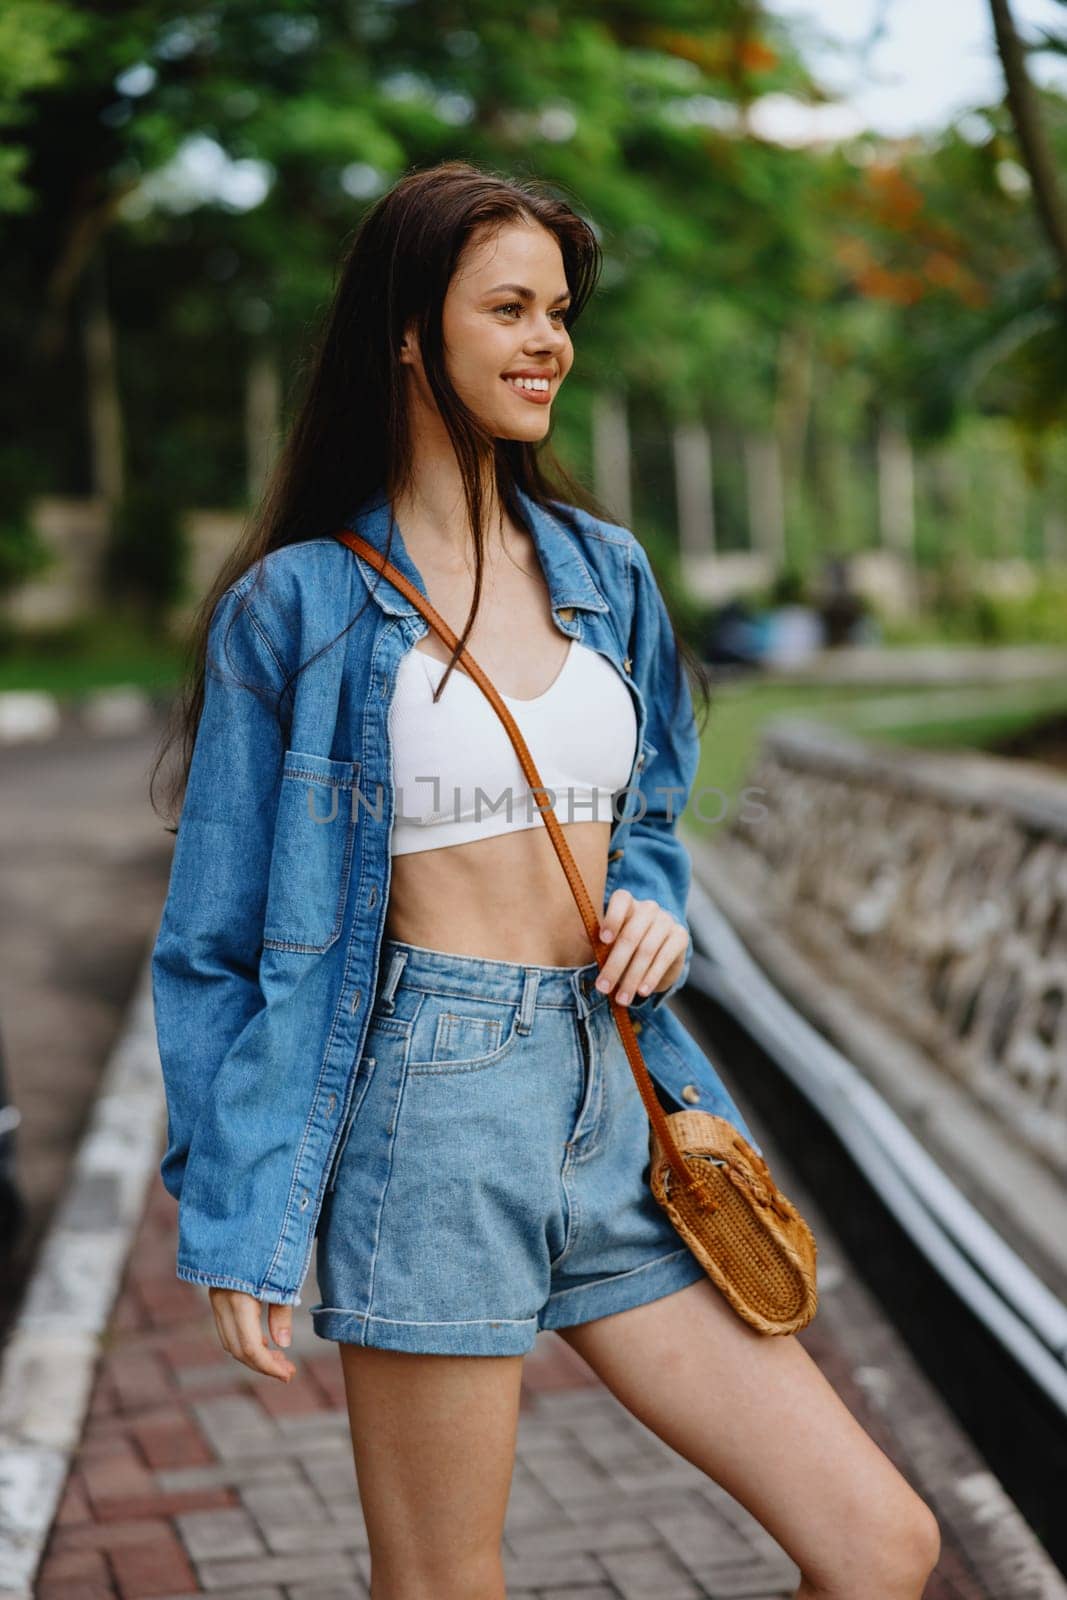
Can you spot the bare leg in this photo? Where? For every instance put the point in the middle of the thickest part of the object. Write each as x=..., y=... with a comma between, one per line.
x=754, y=1412
x=433, y=1442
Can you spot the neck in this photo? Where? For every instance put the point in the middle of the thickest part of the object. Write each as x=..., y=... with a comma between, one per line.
x=429, y=504
x=431, y=511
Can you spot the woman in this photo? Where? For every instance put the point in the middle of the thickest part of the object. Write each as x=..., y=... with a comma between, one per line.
x=376, y=1007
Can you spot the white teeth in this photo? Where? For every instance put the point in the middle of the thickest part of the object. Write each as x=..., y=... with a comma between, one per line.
x=541, y=384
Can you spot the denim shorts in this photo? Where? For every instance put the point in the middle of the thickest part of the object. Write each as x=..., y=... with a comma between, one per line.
x=494, y=1175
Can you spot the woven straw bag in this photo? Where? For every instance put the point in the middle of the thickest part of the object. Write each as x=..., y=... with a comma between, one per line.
x=718, y=1193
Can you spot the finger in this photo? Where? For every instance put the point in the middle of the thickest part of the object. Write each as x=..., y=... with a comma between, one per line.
x=614, y=914
x=280, y=1324
x=640, y=917
x=227, y=1327
x=255, y=1351
x=231, y=1307
x=648, y=952
x=671, y=951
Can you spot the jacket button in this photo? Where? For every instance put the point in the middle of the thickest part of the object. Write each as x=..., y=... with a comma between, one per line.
x=638, y=1024
x=372, y=898
x=690, y=1092
x=627, y=664
x=356, y=998
x=330, y=1105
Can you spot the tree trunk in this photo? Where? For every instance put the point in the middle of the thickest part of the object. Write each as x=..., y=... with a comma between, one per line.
x=1033, y=145
x=102, y=397
x=611, y=455
x=766, y=507
x=263, y=409
x=896, y=490
x=693, y=476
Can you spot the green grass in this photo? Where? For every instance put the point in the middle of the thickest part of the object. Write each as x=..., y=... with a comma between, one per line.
x=97, y=654
x=740, y=711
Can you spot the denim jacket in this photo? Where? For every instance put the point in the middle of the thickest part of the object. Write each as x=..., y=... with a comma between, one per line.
x=266, y=958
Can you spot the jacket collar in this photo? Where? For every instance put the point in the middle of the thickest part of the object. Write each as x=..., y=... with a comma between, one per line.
x=570, y=582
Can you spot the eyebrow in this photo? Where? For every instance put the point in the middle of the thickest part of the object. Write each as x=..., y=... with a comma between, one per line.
x=523, y=293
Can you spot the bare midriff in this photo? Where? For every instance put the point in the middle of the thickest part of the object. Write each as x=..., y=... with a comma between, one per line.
x=504, y=897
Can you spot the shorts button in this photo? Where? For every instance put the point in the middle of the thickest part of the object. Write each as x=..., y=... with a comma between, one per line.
x=690, y=1092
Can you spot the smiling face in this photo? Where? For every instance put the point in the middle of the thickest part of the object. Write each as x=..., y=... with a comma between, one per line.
x=504, y=313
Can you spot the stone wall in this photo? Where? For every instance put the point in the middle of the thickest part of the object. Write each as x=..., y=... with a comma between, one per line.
x=74, y=531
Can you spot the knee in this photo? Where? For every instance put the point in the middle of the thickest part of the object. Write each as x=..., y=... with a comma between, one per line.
x=890, y=1555
x=904, y=1553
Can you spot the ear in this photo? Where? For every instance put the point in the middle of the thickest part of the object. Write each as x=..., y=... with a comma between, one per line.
x=409, y=345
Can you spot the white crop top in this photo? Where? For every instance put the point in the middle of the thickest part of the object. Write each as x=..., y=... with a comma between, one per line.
x=455, y=769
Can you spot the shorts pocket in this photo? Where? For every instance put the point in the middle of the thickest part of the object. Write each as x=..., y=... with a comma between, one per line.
x=457, y=1033
x=314, y=833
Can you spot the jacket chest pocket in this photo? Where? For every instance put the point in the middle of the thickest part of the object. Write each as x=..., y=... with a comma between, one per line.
x=311, y=858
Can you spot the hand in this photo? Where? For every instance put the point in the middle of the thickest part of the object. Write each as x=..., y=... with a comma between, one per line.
x=237, y=1319
x=648, y=947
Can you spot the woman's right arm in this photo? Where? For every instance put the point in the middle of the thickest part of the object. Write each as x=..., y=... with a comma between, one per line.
x=205, y=962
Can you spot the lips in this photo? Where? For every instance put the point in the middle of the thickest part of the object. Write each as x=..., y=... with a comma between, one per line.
x=540, y=397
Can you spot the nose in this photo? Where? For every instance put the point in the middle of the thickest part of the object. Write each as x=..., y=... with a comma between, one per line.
x=551, y=335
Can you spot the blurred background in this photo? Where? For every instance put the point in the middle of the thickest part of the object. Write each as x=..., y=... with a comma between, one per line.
x=824, y=367
x=824, y=378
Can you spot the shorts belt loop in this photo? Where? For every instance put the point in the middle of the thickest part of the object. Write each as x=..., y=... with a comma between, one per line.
x=396, y=967
x=581, y=986
x=529, y=1000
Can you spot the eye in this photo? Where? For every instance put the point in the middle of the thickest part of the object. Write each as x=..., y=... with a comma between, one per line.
x=513, y=305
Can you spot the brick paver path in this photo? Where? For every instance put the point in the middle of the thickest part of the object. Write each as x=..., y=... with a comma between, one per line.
x=196, y=1475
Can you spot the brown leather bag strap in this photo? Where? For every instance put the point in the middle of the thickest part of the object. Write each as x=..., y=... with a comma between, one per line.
x=589, y=916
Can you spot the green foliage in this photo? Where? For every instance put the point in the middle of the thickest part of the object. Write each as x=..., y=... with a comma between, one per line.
x=226, y=152
x=145, y=555
x=34, y=37
x=969, y=615
x=23, y=553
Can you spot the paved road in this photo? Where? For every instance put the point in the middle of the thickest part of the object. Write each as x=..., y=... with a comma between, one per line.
x=83, y=871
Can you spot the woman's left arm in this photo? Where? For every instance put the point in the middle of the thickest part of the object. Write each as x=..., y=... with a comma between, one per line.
x=645, y=916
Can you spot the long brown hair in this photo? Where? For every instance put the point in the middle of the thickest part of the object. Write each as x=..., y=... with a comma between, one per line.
x=350, y=432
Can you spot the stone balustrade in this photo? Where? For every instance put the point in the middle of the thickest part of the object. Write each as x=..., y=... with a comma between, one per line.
x=935, y=887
